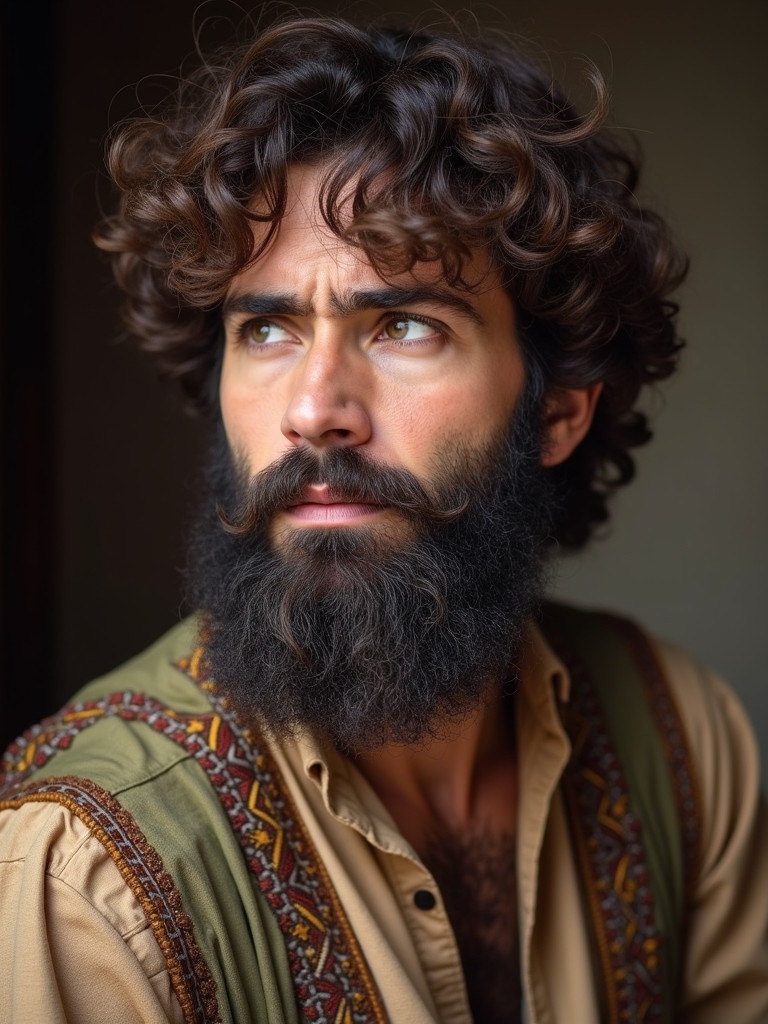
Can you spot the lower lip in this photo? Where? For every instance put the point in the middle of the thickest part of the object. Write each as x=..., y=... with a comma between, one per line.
x=341, y=512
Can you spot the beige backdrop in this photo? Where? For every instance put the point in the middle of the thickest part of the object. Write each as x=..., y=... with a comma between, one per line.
x=687, y=552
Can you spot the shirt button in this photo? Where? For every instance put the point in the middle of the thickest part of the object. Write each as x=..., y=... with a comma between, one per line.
x=424, y=899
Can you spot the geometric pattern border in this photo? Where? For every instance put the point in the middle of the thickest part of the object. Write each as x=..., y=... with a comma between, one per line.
x=331, y=979
x=607, y=836
x=330, y=975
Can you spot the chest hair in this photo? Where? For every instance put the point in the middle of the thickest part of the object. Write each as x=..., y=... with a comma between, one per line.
x=477, y=878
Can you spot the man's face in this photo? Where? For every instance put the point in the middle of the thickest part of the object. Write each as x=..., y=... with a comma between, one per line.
x=385, y=507
x=382, y=478
x=321, y=352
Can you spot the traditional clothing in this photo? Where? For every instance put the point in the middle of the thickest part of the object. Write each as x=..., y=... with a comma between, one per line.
x=221, y=875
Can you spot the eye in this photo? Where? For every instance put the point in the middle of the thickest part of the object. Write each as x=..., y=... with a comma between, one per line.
x=407, y=329
x=261, y=333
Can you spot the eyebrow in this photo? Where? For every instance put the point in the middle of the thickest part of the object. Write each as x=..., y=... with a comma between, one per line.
x=391, y=297
x=271, y=304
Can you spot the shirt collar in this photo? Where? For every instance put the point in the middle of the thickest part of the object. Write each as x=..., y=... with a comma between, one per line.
x=542, y=676
x=540, y=667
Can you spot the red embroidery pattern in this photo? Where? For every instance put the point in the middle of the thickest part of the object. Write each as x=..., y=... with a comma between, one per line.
x=331, y=979
x=607, y=835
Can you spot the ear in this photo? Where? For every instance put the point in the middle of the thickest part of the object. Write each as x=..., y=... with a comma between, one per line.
x=568, y=416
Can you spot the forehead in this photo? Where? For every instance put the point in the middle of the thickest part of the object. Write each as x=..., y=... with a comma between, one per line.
x=305, y=254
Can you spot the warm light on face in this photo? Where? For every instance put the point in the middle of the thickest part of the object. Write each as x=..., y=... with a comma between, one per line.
x=321, y=351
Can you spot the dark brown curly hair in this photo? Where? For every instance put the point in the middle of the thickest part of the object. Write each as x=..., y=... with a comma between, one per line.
x=445, y=145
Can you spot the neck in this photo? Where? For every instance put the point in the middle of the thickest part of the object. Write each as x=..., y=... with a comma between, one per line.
x=460, y=780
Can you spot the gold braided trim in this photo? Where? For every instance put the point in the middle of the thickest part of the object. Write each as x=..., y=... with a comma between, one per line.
x=286, y=837
x=154, y=889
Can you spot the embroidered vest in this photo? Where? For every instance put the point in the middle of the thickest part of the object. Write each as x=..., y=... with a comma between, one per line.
x=632, y=798
x=228, y=877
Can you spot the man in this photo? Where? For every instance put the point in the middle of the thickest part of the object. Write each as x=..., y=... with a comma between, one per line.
x=374, y=778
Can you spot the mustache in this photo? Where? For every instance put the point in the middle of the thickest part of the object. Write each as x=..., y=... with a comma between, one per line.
x=349, y=474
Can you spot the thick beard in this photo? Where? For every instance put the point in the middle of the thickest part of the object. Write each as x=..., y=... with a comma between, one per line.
x=369, y=636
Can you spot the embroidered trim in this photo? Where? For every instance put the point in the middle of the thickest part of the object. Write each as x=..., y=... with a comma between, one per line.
x=330, y=974
x=331, y=979
x=685, y=782
x=607, y=836
x=142, y=870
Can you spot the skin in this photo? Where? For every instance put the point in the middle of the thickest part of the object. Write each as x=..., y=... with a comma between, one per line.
x=320, y=351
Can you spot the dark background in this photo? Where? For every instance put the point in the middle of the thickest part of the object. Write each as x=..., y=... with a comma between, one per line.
x=98, y=461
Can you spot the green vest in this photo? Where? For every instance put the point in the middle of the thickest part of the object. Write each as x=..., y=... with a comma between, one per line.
x=226, y=953
x=631, y=793
x=228, y=877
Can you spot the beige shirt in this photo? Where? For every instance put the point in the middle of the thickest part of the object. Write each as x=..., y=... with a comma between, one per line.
x=75, y=945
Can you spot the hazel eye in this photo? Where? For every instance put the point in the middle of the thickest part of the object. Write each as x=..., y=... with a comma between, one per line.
x=264, y=332
x=404, y=329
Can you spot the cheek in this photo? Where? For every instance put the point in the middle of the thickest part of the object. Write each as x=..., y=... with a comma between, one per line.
x=409, y=423
x=481, y=403
x=251, y=421
x=469, y=413
x=237, y=412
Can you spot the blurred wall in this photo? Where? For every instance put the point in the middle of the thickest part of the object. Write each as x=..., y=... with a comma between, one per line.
x=687, y=551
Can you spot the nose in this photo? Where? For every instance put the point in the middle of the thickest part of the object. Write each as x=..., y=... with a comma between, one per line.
x=328, y=405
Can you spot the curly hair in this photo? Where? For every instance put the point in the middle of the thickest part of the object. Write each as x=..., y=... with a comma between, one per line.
x=434, y=146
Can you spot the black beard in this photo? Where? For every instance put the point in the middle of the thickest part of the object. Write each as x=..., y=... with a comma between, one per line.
x=371, y=636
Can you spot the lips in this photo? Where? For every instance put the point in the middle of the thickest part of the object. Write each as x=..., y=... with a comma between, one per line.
x=318, y=504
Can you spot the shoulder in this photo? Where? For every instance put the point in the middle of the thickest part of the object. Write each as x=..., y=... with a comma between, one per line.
x=725, y=959
x=709, y=707
x=130, y=752
x=693, y=709
x=102, y=733
x=723, y=748
x=106, y=809
x=711, y=714
x=57, y=880
x=117, y=765
x=156, y=671
x=726, y=968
